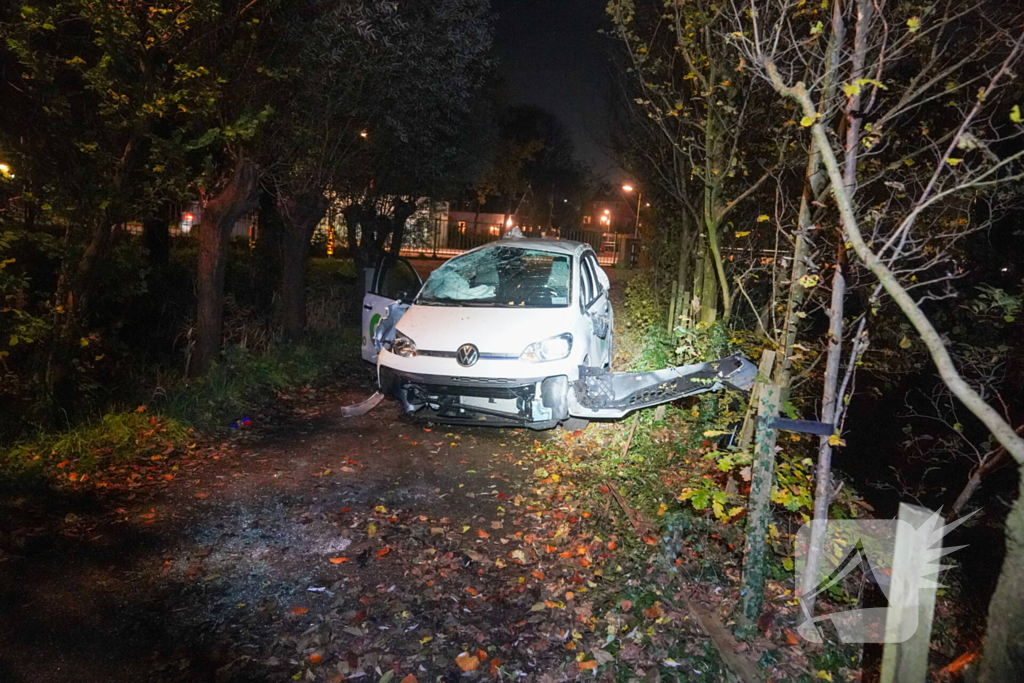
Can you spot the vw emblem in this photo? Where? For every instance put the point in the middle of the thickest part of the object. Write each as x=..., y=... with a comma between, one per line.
x=467, y=355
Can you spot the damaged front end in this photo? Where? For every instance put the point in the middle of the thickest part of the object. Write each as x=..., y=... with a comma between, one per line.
x=539, y=403
x=601, y=394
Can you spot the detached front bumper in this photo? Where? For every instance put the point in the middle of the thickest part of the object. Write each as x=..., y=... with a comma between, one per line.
x=538, y=403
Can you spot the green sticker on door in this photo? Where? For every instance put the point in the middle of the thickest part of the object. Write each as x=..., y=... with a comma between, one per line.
x=373, y=324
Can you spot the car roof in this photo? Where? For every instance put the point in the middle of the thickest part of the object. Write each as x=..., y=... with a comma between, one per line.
x=556, y=246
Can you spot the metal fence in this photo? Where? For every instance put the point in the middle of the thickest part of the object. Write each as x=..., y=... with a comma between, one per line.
x=442, y=238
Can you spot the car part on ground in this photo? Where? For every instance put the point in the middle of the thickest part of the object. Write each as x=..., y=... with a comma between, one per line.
x=364, y=407
x=602, y=394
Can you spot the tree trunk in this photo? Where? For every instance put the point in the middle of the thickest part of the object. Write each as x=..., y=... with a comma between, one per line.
x=404, y=209
x=823, y=478
x=353, y=217
x=300, y=215
x=709, y=290
x=686, y=249
x=236, y=197
x=156, y=235
x=1003, y=656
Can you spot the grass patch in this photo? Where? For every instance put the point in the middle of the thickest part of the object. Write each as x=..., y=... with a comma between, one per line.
x=115, y=439
x=243, y=382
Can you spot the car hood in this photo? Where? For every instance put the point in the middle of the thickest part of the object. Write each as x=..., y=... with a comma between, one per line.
x=491, y=330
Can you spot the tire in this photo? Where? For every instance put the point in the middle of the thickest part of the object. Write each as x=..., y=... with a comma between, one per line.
x=573, y=423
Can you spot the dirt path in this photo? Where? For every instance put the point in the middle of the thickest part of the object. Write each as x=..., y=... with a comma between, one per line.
x=326, y=548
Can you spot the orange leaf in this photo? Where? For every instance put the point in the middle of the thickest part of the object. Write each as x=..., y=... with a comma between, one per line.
x=467, y=662
x=565, y=553
x=585, y=562
x=604, y=489
x=316, y=658
x=481, y=655
x=587, y=665
x=383, y=551
x=626, y=605
x=611, y=545
x=472, y=591
x=538, y=574
x=482, y=534
x=409, y=679
x=338, y=560
x=654, y=612
x=299, y=610
x=495, y=663
x=581, y=550
x=202, y=495
x=791, y=638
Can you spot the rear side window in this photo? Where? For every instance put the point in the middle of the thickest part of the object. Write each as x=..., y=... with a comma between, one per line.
x=592, y=267
x=588, y=285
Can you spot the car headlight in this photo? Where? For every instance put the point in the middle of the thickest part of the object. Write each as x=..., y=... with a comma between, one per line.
x=555, y=348
x=403, y=345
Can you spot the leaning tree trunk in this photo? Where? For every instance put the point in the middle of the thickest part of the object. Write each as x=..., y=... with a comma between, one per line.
x=1003, y=656
x=70, y=320
x=823, y=491
x=300, y=214
x=236, y=197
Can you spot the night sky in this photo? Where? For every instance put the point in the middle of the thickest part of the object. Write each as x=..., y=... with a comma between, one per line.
x=553, y=57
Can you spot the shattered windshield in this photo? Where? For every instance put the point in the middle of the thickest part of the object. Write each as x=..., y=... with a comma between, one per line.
x=501, y=276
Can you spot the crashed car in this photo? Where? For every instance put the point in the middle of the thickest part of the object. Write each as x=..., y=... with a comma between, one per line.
x=515, y=333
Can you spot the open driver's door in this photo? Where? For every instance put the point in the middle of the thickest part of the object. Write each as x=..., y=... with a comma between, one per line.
x=392, y=279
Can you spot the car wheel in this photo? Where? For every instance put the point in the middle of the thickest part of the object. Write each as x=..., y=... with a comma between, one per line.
x=573, y=423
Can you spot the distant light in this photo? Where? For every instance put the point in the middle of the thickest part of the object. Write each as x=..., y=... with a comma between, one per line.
x=647, y=204
x=627, y=188
x=5, y=169
x=189, y=217
x=508, y=223
x=606, y=211
x=364, y=134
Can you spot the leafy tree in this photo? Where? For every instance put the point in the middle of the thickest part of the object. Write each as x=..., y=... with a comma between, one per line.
x=104, y=107
x=905, y=200
x=692, y=91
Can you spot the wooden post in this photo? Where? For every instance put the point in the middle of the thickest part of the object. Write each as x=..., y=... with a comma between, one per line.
x=907, y=662
x=759, y=506
x=764, y=370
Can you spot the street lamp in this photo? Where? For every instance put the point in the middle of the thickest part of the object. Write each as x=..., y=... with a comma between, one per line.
x=639, y=195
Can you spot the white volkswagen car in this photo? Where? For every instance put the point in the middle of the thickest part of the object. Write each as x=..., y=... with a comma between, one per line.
x=517, y=332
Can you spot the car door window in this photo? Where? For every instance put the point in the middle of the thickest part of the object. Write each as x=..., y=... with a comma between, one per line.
x=398, y=280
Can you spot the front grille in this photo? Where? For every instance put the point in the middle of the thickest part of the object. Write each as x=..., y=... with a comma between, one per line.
x=457, y=381
x=451, y=354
